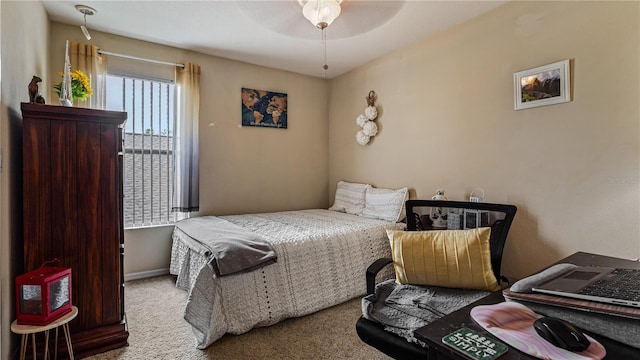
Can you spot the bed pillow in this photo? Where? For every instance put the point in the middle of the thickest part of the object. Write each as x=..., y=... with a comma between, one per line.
x=349, y=197
x=385, y=204
x=446, y=258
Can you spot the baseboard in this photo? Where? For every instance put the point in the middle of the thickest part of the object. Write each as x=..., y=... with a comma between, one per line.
x=145, y=274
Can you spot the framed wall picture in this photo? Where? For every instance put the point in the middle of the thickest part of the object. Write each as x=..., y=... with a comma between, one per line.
x=544, y=85
x=264, y=108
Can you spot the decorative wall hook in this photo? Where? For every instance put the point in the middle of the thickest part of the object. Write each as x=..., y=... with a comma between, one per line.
x=366, y=120
x=371, y=98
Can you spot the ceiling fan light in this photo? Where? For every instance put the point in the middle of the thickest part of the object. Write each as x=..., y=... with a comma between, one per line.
x=85, y=10
x=321, y=13
x=85, y=32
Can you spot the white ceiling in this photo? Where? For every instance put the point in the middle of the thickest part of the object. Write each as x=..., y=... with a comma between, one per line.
x=274, y=33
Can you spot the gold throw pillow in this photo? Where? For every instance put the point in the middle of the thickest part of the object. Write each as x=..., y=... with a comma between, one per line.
x=447, y=258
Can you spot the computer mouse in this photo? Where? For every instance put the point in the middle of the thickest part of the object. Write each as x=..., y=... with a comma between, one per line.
x=561, y=333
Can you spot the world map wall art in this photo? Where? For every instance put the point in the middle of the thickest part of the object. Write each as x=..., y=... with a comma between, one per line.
x=264, y=108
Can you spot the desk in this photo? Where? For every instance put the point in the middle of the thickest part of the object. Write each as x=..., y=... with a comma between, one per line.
x=433, y=333
x=25, y=330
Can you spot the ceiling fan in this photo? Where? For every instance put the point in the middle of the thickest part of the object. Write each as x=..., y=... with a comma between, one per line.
x=355, y=17
x=347, y=18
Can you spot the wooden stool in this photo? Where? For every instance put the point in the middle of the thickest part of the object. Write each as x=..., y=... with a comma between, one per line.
x=25, y=330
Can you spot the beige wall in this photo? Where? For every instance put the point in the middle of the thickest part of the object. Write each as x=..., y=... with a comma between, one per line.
x=24, y=29
x=447, y=121
x=238, y=164
x=242, y=169
x=147, y=252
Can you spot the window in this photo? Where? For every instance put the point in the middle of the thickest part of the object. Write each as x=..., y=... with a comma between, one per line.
x=148, y=147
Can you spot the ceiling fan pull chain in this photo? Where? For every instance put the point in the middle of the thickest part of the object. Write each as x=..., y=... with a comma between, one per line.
x=324, y=43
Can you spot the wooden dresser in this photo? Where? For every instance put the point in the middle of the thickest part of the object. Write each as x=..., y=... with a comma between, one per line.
x=72, y=181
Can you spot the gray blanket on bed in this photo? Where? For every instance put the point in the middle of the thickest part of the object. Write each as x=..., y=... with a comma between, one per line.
x=402, y=309
x=232, y=248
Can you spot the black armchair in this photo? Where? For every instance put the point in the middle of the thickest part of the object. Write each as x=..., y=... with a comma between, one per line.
x=393, y=345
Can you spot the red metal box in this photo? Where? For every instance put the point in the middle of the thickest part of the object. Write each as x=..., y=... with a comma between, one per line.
x=43, y=295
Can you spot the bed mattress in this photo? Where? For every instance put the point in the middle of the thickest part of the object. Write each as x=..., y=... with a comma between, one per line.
x=322, y=259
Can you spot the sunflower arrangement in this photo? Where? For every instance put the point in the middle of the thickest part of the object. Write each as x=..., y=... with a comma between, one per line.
x=80, y=85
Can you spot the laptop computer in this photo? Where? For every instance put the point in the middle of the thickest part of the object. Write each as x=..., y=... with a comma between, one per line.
x=601, y=284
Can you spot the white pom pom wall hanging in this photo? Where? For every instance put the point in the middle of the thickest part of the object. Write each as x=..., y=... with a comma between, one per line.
x=361, y=120
x=361, y=138
x=370, y=128
x=366, y=120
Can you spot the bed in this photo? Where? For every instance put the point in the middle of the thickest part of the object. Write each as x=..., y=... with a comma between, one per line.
x=321, y=258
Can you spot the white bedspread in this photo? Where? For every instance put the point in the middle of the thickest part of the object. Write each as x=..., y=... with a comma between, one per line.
x=322, y=259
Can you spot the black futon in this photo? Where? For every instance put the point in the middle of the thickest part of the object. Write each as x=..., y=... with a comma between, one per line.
x=393, y=345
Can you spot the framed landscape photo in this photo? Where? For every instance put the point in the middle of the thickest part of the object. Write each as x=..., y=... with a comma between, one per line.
x=264, y=108
x=544, y=85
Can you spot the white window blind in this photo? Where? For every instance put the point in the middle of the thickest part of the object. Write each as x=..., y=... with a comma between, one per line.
x=148, y=147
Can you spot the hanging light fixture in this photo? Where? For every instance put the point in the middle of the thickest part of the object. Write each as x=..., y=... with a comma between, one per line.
x=321, y=13
x=85, y=10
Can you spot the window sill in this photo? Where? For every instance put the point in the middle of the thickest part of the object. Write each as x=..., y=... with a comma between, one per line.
x=139, y=227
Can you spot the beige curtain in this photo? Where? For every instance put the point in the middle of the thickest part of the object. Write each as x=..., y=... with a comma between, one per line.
x=85, y=57
x=186, y=196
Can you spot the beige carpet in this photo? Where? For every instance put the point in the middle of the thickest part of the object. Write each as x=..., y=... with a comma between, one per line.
x=157, y=331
